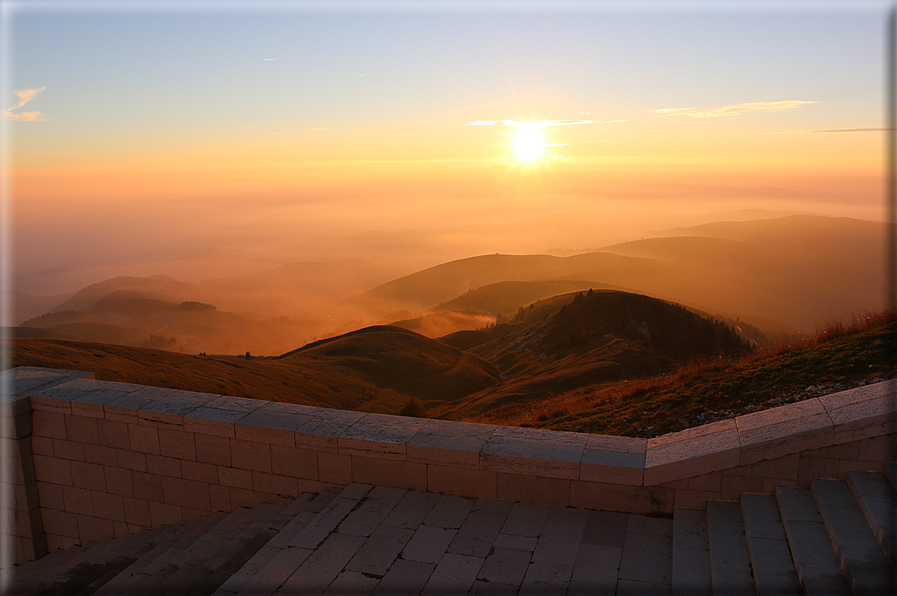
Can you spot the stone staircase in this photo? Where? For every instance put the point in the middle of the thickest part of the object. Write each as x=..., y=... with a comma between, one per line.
x=836, y=537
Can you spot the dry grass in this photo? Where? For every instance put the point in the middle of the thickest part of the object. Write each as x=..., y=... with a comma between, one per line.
x=801, y=358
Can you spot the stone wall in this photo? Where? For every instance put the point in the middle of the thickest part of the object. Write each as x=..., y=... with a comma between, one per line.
x=102, y=459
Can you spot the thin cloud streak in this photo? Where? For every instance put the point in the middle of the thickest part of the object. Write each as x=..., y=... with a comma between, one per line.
x=538, y=123
x=734, y=110
x=24, y=116
x=790, y=132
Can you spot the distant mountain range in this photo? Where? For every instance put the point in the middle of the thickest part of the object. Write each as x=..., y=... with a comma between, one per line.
x=779, y=274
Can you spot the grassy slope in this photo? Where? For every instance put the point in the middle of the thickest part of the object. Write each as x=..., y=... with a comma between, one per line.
x=346, y=373
x=699, y=393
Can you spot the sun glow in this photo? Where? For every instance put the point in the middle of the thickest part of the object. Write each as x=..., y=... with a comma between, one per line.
x=528, y=144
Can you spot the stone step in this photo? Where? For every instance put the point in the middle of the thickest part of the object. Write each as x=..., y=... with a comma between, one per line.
x=27, y=573
x=817, y=565
x=88, y=568
x=691, y=553
x=244, y=542
x=771, y=560
x=32, y=577
x=160, y=557
x=273, y=564
x=646, y=564
x=730, y=561
x=877, y=499
x=862, y=559
x=170, y=574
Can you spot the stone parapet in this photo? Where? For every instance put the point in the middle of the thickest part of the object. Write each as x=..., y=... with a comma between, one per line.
x=98, y=458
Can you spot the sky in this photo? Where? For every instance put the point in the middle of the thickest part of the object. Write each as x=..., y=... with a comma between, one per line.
x=131, y=128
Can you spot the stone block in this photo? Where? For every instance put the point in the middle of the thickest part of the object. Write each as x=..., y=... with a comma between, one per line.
x=212, y=449
x=250, y=455
x=443, y=450
x=125, y=409
x=90, y=476
x=39, y=446
x=614, y=467
x=533, y=489
x=692, y=452
x=284, y=486
x=235, y=404
x=694, y=499
x=186, y=493
x=294, y=462
x=322, y=431
x=77, y=500
x=863, y=419
x=113, y=433
x=118, y=481
x=144, y=439
x=267, y=426
x=379, y=436
x=705, y=482
x=816, y=467
x=206, y=420
x=201, y=472
x=50, y=496
x=783, y=468
x=163, y=466
x=465, y=482
x=389, y=472
x=177, y=443
x=53, y=469
x=137, y=512
x=235, y=477
x=69, y=450
x=334, y=468
x=536, y=457
x=61, y=523
x=240, y=497
x=164, y=514
x=852, y=465
x=50, y=404
x=87, y=409
x=120, y=528
x=48, y=424
x=108, y=506
x=219, y=498
x=732, y=487
x=148, y=487
x=643, y=500
x=784, y=430
x=57, y=542
x=882, y=448
x=166, y=412
x=96, y=454
x=131, y=460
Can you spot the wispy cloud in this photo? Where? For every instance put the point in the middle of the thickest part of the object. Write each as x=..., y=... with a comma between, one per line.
x=788, y=132
x=24, y=95
x=538, y=123
x=24, y=116
x=734, y=110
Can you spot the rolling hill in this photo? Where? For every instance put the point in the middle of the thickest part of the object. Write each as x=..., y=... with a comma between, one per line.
x=558, y=344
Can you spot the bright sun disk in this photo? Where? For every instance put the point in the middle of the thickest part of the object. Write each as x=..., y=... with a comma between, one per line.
x=528, y=144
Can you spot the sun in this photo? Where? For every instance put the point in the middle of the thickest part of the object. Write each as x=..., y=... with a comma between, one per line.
x=528, y=144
